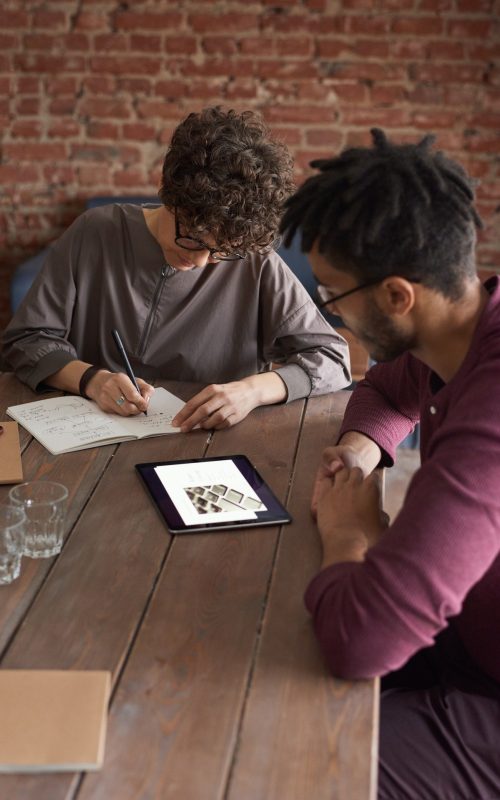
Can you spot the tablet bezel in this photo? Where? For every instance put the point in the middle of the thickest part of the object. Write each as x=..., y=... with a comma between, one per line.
x=276, y=513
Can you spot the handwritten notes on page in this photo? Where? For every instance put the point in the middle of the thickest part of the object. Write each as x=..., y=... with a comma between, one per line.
x=63, y=424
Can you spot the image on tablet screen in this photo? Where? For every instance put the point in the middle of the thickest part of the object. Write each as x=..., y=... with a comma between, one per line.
x=210, y=490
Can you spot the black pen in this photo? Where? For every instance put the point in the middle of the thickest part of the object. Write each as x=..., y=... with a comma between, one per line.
x=126, y=362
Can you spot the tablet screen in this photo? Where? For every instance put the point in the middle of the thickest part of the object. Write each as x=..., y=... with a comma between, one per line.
x=211, y=494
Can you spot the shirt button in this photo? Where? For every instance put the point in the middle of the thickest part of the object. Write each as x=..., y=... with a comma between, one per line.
x=433, y=410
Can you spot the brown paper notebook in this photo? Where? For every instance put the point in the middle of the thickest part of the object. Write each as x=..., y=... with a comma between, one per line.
x=52, y=720
x=11, y=469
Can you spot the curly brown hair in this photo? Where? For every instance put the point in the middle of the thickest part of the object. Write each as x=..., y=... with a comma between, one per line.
x=225, y=174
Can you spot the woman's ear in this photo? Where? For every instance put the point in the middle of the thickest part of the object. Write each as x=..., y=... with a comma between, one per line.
x=395, y=296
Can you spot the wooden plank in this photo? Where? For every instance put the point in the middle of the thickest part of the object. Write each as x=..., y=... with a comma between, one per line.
x=87, y=612
x=78, y=471
x=173, y=724
x=304, y=734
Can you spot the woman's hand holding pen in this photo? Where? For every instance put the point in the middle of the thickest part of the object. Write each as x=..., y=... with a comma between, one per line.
x=115, y=393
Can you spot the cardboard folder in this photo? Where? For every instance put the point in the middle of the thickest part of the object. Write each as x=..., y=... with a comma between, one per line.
x=52, y=720
x=11, y=468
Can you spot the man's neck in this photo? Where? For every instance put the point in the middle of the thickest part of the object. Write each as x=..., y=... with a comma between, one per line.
x=447, y=329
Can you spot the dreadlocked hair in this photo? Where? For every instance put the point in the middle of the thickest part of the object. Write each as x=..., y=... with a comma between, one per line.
x=390, y=209
x=225, y=174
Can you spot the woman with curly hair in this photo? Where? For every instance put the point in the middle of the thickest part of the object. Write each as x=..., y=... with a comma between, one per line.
x=193, y=284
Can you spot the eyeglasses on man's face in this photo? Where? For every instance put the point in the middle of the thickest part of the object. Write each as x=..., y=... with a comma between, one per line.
x=190, y=243
x=327, y=297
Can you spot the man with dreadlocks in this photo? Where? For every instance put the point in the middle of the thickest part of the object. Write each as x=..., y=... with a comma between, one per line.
x=390, y=232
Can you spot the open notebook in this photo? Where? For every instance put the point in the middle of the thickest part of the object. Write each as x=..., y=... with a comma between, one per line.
x=64, y=424
x=52, y=720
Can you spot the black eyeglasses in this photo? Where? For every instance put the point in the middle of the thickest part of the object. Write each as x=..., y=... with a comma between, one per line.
x=327, y=297
x=189, y=243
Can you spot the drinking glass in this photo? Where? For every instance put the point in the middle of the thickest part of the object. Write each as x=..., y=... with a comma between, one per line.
x=44, y=505
x=12, y=521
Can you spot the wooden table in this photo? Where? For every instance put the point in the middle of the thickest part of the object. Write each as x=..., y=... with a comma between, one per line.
x=219, y=688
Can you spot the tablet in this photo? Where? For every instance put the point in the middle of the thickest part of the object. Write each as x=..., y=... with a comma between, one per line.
x=210, y=494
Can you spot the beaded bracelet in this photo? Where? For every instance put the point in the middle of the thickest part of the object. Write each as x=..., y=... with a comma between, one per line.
x=86, y=378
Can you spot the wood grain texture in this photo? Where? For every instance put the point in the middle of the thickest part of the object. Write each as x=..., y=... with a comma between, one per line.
x=304, y=734
x=179, y=703
x=219, y=687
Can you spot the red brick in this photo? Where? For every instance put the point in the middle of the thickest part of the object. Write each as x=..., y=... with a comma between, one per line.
x=62, y=105
x=368, y=25
x=447, y=73
x=183, y=45
x=5, y=85
x=135, y=85
x=380, y=117
x=28, y=105
x=332, y=48
x=47, y=63
x=299, y=114
x=104, y=84
x=139, y=132
x=218, y=66
x=387, y=95
x=324, y=137
x=129, y=178
x=313, y=91
x=150, y=109
x=26, y=129
x=351, y=92
x=27, y=84
x=486, y=120
x=366, y=71
x=470, y=28
x=298, y=47
x=35, y=151
x=303, y=158
x=209, y=23
x=418, y=26
x=102, y=130
x=475, y=6
x=64, y=129
x=408, y=49
x=291, y=136
x=40, y=41
x=371, y=48
x=147, y=21
x=434, y=119
x=209, y=92
x=53, y=20
x=105, y=107
x=239, y=91
x=257, y=45
x=171, y=89
x=145, y=44
x=92, y=21
x=13, y=173
x=287, y=70
x=61, y=86
x=9, y=41
x=111, y=43
x=117, y=65
x=487, y=51
x=489, y=189
x=60, y=174
x=15, y=19
x=446, y=51
x=93, y=152
x=220, y=45
x=427, y=95
x=94, y=175
x=436, y=5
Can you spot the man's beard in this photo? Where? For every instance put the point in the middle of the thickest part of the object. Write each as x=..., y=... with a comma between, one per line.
x=380, y=336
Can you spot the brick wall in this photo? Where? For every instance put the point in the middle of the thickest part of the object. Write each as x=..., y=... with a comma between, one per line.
x=90, y=91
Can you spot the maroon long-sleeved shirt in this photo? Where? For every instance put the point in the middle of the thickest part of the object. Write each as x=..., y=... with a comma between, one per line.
x=439, y=561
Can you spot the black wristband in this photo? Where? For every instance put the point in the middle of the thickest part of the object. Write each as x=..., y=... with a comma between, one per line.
x=86, y=378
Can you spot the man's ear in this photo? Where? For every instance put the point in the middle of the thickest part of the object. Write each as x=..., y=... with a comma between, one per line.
x=395, y=296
